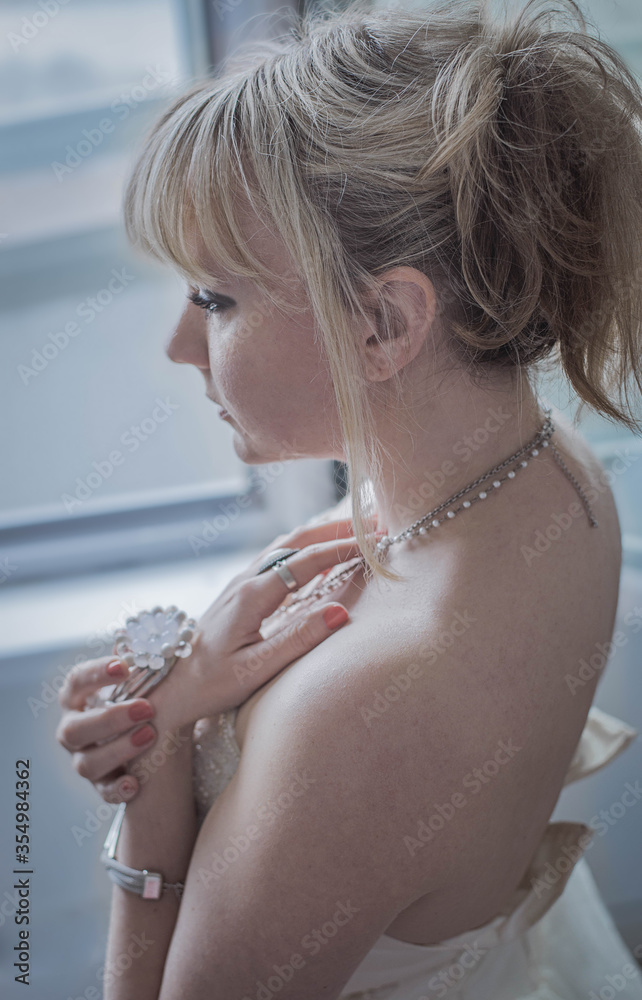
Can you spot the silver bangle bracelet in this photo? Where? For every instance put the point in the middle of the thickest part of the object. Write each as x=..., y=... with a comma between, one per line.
x=148, y=885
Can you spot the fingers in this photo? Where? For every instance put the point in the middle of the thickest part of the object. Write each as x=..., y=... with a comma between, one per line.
x=80, y=732
x=101, y=741
x=86, y=678
x=77, y=730
x=117, y=787
x=267, y=658
x=306, y=534
x=265, y=592
x=94, y=763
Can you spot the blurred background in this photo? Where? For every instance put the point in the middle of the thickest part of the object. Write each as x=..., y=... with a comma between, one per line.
x=85, y=542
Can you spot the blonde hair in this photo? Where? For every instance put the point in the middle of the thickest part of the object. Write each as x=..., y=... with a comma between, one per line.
x=502, y=159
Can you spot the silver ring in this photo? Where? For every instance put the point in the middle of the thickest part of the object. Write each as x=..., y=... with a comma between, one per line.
x=285, y=575
x=275, y=556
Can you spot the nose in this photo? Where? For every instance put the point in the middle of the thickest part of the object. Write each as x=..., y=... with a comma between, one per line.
x=187, y=343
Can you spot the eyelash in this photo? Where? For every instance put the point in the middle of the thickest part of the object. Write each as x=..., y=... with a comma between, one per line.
x=214, y=304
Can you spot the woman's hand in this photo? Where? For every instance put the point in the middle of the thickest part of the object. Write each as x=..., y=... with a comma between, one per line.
x=230, y=660
x=103, y=741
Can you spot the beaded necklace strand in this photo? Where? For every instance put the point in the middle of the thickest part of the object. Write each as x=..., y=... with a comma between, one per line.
x=431, y=520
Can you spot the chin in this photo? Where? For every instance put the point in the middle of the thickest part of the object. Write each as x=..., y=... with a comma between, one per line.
x=261, y=452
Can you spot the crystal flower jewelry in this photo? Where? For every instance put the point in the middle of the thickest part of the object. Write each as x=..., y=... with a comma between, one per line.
x=150, y=645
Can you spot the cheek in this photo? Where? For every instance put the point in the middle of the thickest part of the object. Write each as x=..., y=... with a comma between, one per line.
x=271, y=376
x=227, y=349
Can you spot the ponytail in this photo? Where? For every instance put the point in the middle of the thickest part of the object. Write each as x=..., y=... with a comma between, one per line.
x=538, y=132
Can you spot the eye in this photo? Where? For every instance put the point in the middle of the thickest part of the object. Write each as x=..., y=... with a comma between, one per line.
x=209, y=301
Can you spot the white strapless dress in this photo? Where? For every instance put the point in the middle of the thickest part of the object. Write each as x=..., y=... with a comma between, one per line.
x=554, y=940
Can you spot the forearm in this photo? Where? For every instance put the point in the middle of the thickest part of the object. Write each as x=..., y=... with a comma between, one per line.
x=158, y=833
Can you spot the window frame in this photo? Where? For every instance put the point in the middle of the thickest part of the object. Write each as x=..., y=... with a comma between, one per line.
x=131, y=530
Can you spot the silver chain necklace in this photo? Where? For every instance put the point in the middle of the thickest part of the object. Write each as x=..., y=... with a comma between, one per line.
x=431, y=520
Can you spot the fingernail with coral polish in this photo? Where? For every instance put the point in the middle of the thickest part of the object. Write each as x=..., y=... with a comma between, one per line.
x=141, y=710
x=143, y=735
x=115, y=668
x=333, y=617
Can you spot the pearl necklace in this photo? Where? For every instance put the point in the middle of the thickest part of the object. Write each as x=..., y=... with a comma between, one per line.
x=431, y=520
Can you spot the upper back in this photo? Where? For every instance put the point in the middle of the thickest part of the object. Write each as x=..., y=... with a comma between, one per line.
x=542, y=588
x=501, y=616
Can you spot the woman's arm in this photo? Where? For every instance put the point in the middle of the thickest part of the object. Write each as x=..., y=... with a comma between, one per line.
x=300, y=863
x=158, y=833
x=231, y=659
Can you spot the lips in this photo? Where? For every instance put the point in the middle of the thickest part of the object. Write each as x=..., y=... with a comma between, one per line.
x=222, y=412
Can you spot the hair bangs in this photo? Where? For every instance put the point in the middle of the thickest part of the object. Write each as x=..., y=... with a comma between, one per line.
x=183, y=198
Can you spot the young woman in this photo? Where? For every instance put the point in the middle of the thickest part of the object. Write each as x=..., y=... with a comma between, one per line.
x=385, y=221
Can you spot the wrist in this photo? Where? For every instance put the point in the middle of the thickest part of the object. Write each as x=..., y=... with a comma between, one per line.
x=189, y=692
x=159, y=825
x=167, y=761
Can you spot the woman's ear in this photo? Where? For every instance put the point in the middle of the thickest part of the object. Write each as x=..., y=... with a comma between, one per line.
x=410, y=302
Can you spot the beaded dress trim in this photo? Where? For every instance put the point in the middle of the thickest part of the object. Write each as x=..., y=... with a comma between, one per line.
x=215, y=757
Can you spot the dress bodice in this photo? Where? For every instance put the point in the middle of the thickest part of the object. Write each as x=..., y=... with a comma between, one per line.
x=523, y=944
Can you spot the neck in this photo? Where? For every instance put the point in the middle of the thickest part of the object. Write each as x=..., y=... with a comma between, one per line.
x=457, y=436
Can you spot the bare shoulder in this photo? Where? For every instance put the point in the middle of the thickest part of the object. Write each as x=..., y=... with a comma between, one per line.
x=371, y=717
x=464, y=684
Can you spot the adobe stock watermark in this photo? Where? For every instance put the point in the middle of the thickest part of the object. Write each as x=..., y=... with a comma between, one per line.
x=103, y=813
x=87, y=310
x=122, y=107
x=141, y=768
x=7, y=568
x=112, y=970
x=101, y=641
x=50, y=689
x=109, y=973
x=32, y=26
x=256, y=657
x=598, y=660
x=267, y=813
x=402, y=681
x=562, y=521
x=14, y=903
x=617, y=981
x=213, y=527
x=474, y=781
x=131, y=439
x=223, y=7
x=150, y=761
x=312, y=943
x=456, y=973
x=598, y=824
x=463, y=450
